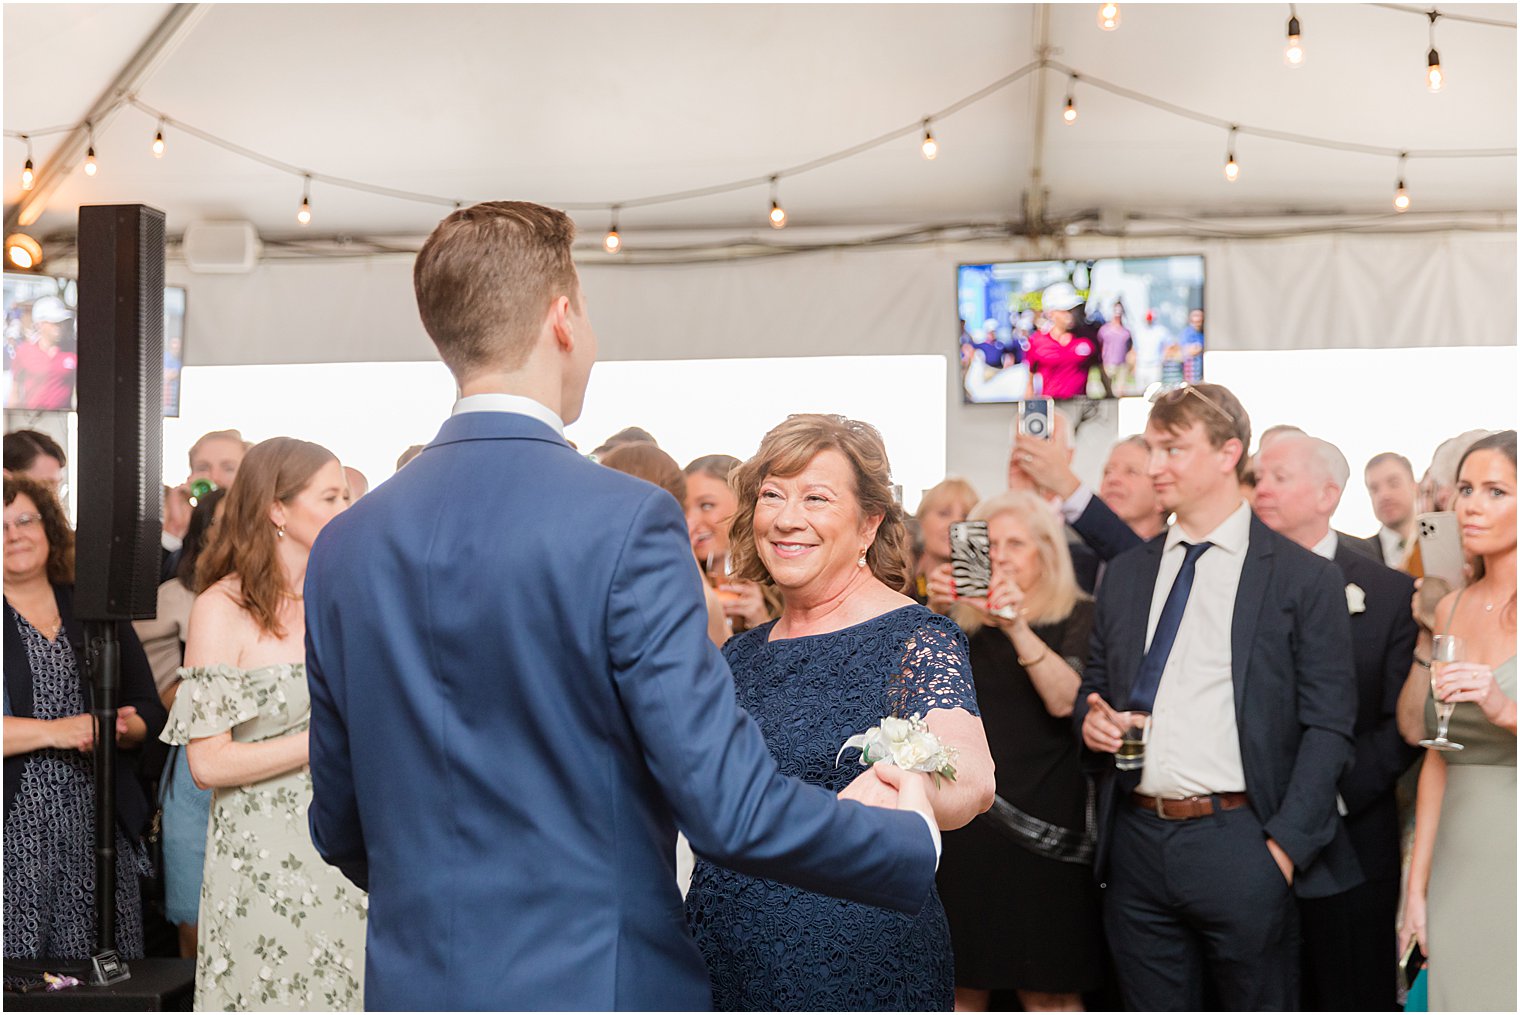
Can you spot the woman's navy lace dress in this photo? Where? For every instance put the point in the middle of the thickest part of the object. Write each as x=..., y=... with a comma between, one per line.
x=772, y=947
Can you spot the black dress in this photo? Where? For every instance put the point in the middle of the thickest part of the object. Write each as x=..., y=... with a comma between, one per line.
x=1020, y=921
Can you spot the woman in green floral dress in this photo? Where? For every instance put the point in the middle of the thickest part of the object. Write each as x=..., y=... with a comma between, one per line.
x=279, y=928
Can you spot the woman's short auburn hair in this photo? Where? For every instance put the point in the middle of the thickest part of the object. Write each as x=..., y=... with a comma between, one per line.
x=786, y=451
x=55, y=525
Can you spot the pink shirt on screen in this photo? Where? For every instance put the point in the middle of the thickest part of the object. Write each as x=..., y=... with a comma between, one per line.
x=1062, y=367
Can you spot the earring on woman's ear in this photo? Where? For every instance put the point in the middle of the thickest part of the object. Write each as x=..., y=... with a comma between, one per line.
x=862, y=561
x=279, y=533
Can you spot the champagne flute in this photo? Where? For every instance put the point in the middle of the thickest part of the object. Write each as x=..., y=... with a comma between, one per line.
x=1445, y=648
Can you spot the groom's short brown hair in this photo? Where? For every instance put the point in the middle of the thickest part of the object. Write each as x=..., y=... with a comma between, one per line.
x=486, y=277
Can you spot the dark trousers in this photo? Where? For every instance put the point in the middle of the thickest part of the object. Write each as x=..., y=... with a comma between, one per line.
x=1349, y=945
x=1195, y=901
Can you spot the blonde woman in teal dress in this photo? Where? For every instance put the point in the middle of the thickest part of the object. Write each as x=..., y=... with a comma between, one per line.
x=1460, y=904
x=279, y=929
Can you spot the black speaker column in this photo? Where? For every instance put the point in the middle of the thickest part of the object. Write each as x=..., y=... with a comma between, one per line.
x=120, y=389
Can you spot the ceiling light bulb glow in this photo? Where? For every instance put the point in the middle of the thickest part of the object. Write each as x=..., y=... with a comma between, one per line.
x=158, y=145
x=28, y=176
x=90, y=168
x=1232, y=170
x=1108, y=17
x=612, y=242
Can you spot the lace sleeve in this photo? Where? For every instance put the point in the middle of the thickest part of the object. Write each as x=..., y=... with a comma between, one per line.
x=935, y=671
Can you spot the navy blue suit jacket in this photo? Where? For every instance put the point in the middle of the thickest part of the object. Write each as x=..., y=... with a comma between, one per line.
x=1295, y=696
x=1382, y=641
x=515, y=705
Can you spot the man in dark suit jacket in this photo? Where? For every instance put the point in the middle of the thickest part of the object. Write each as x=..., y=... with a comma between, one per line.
x=515, y=703
x=1237, y=642
x=1349, y=937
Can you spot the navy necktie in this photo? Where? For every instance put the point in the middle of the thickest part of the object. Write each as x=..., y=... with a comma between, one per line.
x=1142, y=696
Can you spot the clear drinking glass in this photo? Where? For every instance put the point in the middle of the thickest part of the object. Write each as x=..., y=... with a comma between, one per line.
x=1446, y=648
x=1137, y=733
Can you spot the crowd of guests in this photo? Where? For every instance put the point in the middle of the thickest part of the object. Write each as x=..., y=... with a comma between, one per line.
x=1282, y=672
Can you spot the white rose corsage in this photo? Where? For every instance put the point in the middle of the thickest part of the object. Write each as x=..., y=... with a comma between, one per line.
x=1356, y=599
x=906, y=743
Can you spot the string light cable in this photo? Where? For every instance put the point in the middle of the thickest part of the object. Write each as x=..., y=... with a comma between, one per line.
x=911, y=129
x=1281, y=135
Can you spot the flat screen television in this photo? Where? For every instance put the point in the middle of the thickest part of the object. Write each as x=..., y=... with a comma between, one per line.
x=42, y=347
x=1129, y=326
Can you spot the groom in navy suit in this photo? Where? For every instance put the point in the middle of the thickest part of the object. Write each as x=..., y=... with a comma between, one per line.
x=1237, y=642
x=515, y=703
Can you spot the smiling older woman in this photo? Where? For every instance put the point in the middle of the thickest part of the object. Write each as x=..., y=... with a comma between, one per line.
x=816, y=519
x=49, y=738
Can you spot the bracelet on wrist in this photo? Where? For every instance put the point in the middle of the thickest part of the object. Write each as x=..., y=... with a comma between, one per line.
x=1422, y=663
x=1026, y=663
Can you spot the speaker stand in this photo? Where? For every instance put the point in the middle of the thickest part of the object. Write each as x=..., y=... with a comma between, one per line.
x=103, y=654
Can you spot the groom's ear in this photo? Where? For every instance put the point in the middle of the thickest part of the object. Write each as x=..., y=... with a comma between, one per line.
x=560, y=325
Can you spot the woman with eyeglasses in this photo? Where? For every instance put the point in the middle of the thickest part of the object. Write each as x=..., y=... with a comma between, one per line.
x=49, y=869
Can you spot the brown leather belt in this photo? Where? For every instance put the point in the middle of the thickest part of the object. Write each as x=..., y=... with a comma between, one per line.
x=1189, y=807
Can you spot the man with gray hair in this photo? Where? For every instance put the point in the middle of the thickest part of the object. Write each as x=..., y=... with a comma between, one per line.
x=1347, y=938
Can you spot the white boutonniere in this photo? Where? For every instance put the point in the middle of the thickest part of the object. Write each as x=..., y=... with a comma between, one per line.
x=1356, y=599
x=906, y=743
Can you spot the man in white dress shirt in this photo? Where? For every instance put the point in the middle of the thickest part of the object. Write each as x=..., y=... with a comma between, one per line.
x=1237, y=642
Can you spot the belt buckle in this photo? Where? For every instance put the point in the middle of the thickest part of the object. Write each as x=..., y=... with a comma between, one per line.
x=1160, y=806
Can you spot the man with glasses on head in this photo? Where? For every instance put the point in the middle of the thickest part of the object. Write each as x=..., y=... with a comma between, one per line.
x=1236, y=643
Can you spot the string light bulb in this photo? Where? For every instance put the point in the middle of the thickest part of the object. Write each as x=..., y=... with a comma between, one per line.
x=1293, y=53
x=1231, y=167
x=28, y=174
x=90, y=168
x=158, y=141
x=1108, y=17
x=304, y=215
x=1434, y=76
x=930, y=147
x=778, y=213
x=612, y=242
x=1400, y=194
x=1069, y=114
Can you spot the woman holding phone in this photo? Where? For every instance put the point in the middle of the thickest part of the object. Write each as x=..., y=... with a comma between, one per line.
x=1462, y=872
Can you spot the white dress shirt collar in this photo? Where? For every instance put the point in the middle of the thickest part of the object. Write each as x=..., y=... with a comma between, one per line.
x=1232, y=535
x=500, y=401
x=1394, y=545
x=1326, y=547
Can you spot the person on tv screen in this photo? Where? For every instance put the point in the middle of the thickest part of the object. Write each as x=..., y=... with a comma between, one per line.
x=45, y=365
x=1056, y=355
x=1192, y=347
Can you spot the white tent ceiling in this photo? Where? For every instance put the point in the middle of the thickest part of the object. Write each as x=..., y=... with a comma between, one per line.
x=583, y=103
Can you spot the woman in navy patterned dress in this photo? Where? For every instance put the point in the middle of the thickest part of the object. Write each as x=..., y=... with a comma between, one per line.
x=49, y=735
x=816, y=519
